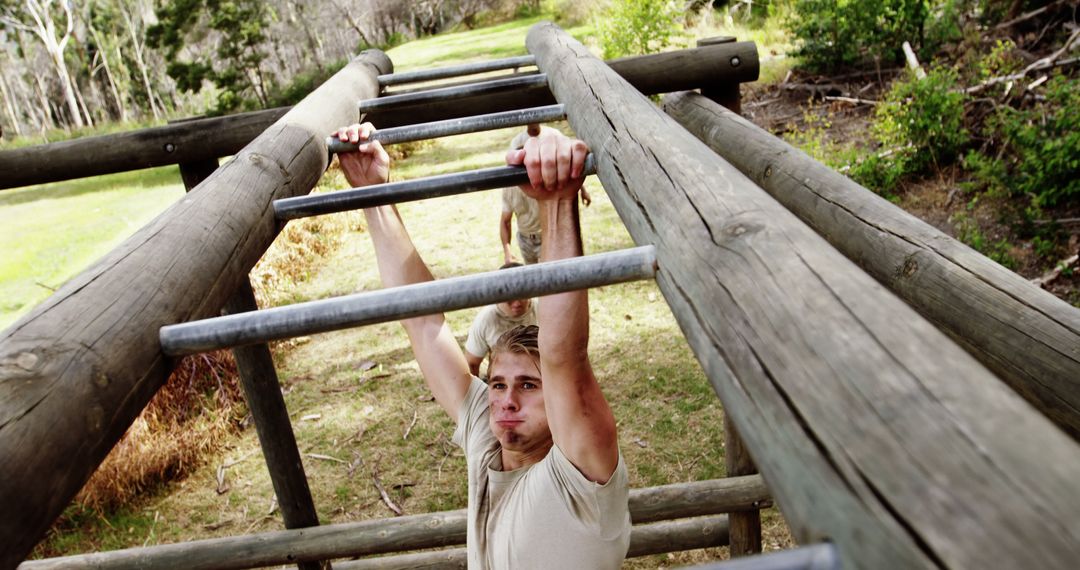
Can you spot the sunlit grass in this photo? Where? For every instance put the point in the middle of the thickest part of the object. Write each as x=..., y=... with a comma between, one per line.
x=54, y=231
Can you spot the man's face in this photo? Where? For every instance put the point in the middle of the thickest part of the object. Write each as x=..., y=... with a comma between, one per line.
x=514, y=309
x=516, y=397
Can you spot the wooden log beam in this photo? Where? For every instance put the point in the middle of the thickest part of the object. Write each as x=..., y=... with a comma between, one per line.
x=645, y=540
x=192, y=141
x=1028, y=337
x=78, y=369
x=397, y=534
x=873, y=429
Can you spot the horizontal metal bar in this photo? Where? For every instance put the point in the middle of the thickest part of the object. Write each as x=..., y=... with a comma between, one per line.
x=416, y=88
x=822, y=556
x=448, y=93
x=455, y=70
x=407, y=191
x=449, y=127
x=409, y=301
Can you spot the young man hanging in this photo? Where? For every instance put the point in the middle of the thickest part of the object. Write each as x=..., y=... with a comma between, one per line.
x=547, y=484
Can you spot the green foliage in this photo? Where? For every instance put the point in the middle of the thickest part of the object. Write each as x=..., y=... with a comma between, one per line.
x=968, y=231
x=920, y=124
x=838, y=33
x=1038, y=152
x=636, y=27
x=302, y=84
x=241, y=29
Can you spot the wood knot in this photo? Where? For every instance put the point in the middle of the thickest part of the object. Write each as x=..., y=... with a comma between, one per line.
x=768, y=171
x=101, y=379
x=26, y=360
x=910, y=267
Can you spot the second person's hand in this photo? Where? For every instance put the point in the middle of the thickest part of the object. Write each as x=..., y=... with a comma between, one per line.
x=369, y=164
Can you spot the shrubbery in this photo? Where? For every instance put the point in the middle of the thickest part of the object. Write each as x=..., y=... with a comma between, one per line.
x=1037, y=150
x=636, y=27
x=919, y=125
x=838, y=33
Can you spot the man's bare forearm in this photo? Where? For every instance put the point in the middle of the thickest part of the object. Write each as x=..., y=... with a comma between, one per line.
x=563, y=317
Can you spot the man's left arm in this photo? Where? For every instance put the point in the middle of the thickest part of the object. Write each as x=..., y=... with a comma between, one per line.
x=581, y=422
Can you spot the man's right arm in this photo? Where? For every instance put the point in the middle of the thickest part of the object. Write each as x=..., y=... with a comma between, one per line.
x=437, y=352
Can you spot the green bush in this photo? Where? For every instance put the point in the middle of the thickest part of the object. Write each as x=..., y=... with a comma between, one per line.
x=838, y=33
x=1038, y=151
x=919, y=125
x=637, y=27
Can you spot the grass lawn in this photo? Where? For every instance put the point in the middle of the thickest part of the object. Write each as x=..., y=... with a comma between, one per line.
x=56, y=230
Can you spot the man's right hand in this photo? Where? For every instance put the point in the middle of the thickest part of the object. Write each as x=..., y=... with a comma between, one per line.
x=555, y=164
x=369, y=164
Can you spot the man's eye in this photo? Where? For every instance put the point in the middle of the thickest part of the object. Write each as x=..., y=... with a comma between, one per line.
x=528, y=385
x=498, y=386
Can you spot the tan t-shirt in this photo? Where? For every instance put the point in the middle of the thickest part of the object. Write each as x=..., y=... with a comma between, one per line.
x=524, y=208
x=546, y=515
x=490, y=323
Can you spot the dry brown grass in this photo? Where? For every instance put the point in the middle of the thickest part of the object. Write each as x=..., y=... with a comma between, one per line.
x=196, y=411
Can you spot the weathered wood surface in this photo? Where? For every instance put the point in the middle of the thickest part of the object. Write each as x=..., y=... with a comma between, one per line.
x=1030, y=338
x=184, y=142
x=645, y=540
x=77, y=370
x=192, y=141
x=744, y=527
x=397, y=534
x=650, y=74
x=873, y=430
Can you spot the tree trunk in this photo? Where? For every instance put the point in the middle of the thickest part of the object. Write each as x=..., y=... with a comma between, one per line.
x=9, y=104
x=45, y=29
x=139, y=61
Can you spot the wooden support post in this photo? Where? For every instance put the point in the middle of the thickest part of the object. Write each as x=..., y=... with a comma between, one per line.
x=262, y=391
x=78, y=369
x=193, y=173
x=744, y=527
x=874, y=430
x=726, y=93
x=1029, y=337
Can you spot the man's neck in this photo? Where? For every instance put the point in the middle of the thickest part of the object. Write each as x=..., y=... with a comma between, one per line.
x=512, y=460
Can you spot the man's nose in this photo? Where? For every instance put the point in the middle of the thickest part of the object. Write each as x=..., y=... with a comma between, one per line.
x=510, y=400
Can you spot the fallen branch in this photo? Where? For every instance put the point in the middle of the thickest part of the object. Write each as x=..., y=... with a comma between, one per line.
x=382, y=492
x=415, y=416
x=1045, y=63
x=1056, y=272
x=1027, y=16
x=854, y=100
x=326, y=458
x=1059, y=221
